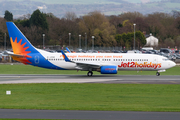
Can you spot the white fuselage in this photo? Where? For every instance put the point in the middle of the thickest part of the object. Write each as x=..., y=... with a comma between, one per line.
x=122, y=60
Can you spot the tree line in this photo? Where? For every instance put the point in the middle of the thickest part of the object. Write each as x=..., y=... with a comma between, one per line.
x=108, y=31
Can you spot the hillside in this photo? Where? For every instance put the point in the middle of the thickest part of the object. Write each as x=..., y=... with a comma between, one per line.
x=81, y=7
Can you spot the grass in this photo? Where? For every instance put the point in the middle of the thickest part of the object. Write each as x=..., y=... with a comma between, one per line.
x=111, y=97
x=27, y=69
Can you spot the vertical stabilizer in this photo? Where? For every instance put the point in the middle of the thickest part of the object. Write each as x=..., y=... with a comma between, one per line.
x=20, y=44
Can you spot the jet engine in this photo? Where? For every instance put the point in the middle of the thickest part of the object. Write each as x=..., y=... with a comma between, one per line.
x=108, y=69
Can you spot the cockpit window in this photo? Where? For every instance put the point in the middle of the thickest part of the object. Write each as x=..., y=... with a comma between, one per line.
x=165, y=59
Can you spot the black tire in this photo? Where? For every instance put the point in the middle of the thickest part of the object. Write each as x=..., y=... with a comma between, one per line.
x=157, y=74
x=90, y=73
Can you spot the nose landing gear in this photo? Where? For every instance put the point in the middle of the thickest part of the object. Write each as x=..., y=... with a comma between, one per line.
x=157, y=74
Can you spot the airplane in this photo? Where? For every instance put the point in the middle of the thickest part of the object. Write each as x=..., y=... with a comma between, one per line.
x=105, y=63
x=68, y=50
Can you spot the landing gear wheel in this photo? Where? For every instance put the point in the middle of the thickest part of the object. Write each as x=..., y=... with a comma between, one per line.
x=157, y=74
x=90, y=73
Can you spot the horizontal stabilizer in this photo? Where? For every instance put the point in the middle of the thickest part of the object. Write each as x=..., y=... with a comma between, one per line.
x=12, y=54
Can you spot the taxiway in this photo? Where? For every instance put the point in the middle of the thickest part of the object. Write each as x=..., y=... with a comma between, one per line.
x=131, y=79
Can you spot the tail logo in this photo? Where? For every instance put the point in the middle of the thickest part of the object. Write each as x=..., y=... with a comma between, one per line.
x=19, y=49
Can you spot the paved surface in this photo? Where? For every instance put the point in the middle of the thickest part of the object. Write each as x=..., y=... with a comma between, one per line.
x=132, y=79
x=90, y=115
x=98, y=115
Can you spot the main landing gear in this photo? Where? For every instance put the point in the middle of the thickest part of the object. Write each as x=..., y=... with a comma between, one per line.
x=157, y=74
x=90, y=73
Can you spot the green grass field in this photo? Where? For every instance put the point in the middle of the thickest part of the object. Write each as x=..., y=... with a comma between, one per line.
x=27, y=69
x=111, y=97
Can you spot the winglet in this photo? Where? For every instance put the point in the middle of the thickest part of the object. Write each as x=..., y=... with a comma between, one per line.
x=65, y=57
x=68, y=50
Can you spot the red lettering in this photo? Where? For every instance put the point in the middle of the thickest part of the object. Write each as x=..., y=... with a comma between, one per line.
x=139, y=65
x=132, y=65
x=121, y=65
x=125, y=65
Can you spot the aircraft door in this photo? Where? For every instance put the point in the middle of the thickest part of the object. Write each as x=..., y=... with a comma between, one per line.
x=36, y=59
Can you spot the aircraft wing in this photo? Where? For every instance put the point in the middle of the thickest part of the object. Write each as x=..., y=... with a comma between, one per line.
x=12, y=54
x=81, y=65
x=85, y=66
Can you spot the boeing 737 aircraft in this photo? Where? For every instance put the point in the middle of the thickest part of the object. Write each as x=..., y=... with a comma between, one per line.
x=106, y=63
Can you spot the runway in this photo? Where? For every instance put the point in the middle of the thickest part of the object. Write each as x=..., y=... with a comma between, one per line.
x=118, y=79
x=90, y=115
x=103, y=115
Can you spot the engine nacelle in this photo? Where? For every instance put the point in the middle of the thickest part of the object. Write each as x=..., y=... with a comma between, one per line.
x=109, y=70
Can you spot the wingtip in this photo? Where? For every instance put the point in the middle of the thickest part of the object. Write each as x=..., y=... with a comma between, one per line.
x=68, y=49
x=65, y=57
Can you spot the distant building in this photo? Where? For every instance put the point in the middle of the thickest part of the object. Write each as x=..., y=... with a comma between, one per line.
x=151, y=41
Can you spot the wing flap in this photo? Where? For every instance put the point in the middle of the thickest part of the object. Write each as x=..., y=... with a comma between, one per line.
x=85, y=65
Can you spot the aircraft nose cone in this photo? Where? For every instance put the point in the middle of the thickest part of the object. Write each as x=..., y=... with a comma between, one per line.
x=172, y=64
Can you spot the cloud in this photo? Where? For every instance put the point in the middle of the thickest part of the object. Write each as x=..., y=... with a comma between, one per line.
x=42, y=7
